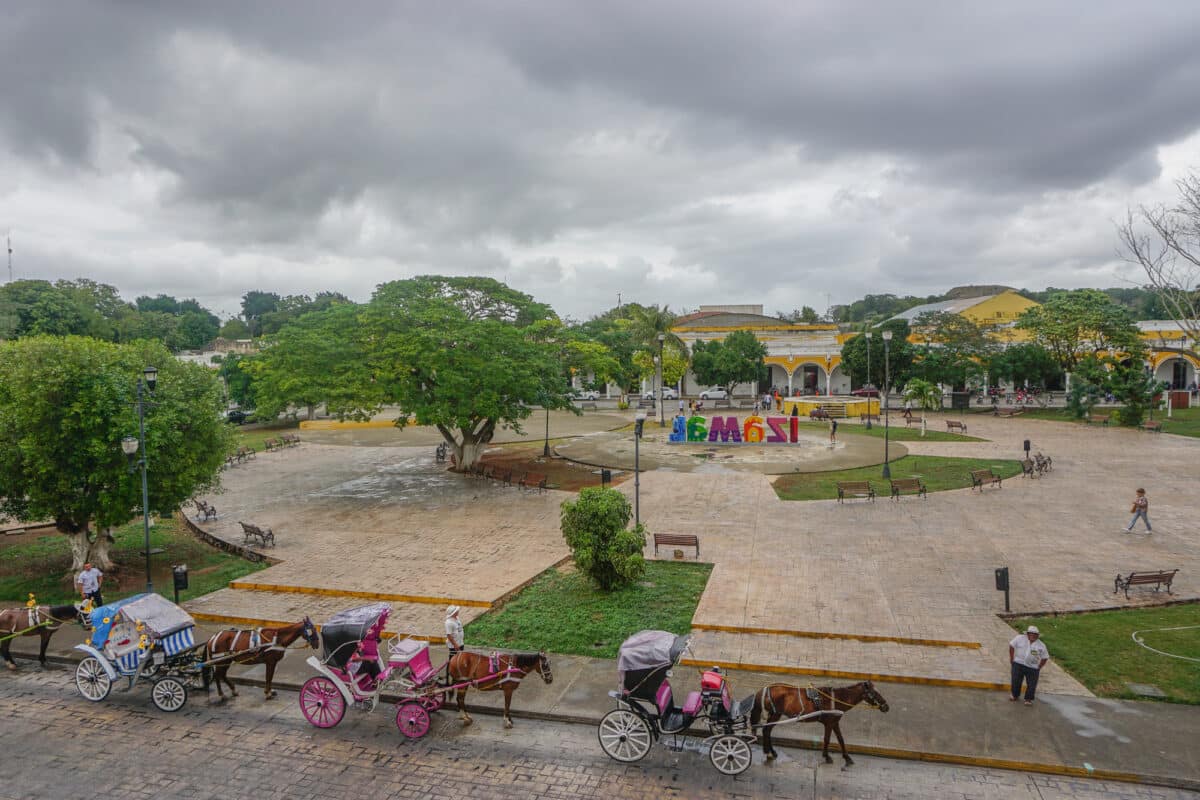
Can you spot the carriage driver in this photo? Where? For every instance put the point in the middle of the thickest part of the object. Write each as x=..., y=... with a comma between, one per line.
x=454, y=636
x=89, y=584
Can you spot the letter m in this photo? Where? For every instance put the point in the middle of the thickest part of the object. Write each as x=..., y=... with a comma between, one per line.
x=725, y=427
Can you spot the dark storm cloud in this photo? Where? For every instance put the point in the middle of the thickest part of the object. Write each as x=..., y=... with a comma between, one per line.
x=578, y=150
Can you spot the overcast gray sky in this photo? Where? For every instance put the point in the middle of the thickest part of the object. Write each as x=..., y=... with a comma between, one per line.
x=675, y=152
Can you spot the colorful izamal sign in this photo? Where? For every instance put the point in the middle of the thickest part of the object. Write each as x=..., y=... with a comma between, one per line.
x=728, y=430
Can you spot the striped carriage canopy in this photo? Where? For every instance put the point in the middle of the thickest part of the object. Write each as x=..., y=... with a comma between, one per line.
x=163, y=621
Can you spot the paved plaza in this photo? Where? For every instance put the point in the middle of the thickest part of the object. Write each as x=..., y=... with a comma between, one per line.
x=57, y=745
x=893, y=590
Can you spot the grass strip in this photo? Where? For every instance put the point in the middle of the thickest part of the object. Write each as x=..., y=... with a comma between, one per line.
x=1098, y=650
x=562, y=611
x=939, y=473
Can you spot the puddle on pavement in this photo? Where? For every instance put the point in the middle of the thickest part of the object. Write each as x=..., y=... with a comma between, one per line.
x=418, y=480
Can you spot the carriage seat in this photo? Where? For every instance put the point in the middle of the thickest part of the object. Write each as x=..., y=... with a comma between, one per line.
x=662, y=699
x=692, y=706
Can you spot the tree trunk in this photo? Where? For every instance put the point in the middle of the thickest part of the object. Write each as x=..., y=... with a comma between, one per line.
x=98, y=554
x=468, y=454
x=79, y=550
x=470, y=448
x=312, y=411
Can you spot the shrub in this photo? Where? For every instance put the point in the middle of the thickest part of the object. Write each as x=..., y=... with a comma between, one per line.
x=604, y=548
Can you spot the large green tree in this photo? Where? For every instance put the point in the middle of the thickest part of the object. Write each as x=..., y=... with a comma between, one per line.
x=1025, y=363
x=320, y=358
x=899, y=354
x=1072, y=325
x=738, y=358
x=464, y=354
x=956, y=349
x=65, y=405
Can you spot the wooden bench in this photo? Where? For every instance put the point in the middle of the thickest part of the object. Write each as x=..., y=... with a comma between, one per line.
x=506, y=477
x=721, y=404
x=205, y=512
x=1027, y=467
x=533, y=481
x=439, y=455
x=954, y=424
x=253, y=532
x=981, y=476
x=245, y=453
x=291, y=439
x=681, y=539
x=1151, y=425
x=908, y=486
x=911, y=421
x=1097, y=419
x=1144, y=579
x=589, y=407
x=1042, y=463
x=868, y=418
x=855, y=489
x=273, y=444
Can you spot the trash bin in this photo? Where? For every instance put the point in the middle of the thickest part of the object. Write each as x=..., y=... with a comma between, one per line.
x=605, y=477
x=179, y=573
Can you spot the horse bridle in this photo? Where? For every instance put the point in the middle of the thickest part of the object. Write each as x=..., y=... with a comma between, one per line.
x=544, y=667
x=872, y=697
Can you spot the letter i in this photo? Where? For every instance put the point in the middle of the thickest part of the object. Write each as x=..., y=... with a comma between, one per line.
x=795, y=428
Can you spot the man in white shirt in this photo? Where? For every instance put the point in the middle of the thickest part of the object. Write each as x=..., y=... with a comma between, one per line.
x=89, y=584
x=1028, y=655
x=454, y=636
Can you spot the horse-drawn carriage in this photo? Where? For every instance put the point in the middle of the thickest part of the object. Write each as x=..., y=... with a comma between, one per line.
x=354, y=672
x=141, y=638
x=646, y=707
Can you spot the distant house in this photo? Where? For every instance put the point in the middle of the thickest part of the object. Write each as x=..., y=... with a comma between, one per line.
x=240, y=346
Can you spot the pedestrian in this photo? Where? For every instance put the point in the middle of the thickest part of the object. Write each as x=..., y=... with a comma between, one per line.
x=1141, y=508
x=454, y=636
x=778, y=401
x=1028, y=655
x=832, y=431
x=691, y=406
x=681, y=407
x=89, y=582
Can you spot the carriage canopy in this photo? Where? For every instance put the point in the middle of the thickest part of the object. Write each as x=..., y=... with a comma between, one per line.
x=161, y=619
x=645, y=657
x=342, y=633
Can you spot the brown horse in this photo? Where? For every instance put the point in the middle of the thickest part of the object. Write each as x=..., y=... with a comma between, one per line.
x=40, y=621
x=261, y=646
x=781, y=700
x=503, y=671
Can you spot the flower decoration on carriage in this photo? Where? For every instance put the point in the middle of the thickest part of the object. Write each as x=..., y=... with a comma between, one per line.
x=107, y=620
x=31, y=602
x=86, y=606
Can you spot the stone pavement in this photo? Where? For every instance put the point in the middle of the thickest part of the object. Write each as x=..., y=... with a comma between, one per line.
x=1157, y=742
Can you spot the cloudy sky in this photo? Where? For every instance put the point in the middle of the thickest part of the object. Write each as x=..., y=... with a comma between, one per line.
x=673, y=152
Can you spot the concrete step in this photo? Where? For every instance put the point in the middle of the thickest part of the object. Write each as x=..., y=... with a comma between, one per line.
x=238, y=607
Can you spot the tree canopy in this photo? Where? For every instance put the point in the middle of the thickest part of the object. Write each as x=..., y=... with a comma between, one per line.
x=66, y=404
x=465, y=355
x=1071, y=325
x=899, y=353
x=738, y=358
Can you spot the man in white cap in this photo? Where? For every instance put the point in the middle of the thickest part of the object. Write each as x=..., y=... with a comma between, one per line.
x=1028, y=655
x=454, y=636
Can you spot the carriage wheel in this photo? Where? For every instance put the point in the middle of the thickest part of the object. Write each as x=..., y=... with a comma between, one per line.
x=321, y=702
x=412, y=719
x=730, y=755
x=91, y=679
x=169, y=694
x=624, y=736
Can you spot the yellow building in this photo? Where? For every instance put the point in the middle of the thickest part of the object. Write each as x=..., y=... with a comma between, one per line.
x=995, y=312
x=1173, y=357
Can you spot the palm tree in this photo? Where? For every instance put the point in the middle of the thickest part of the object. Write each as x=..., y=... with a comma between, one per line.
x=647, y=322
x=925, y=394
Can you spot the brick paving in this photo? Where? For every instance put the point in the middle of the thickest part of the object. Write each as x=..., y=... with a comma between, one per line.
x=57, y=745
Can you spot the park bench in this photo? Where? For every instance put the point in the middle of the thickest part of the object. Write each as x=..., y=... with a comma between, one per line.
x=1042, y=463
x=1097, y=419
x=253, y=532
x=818, y=413
x=855, y=489
x=589, y=407
x=477, y=469
x=273, y=444
x=911, y=421
x=1151, y=425
x=981, y=476
x=1007, y=412
x=1144, y=579
x=1027, y=467
x=868, y=418
x=954, y=424
x=439, y=455
x=245, y=453
x=908, y=486
x=291, y=439
x=489, y=473
x=506, y=477
x=533, y=481
x=680, y=539
x=205, y=512
x=721, y=404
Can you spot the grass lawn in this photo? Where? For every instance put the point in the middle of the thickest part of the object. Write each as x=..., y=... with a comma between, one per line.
x=1098, y=649
x=563, y=612
x=41, y=563
x=938, y=472
x=1183, y=421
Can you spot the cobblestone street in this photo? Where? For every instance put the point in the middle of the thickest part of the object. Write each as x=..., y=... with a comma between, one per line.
x=57, y=745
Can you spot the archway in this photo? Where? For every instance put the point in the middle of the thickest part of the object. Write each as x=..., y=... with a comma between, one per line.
x=808, y=379
x=1177, y=372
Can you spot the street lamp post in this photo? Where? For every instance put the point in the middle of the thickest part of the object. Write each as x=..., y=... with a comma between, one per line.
x=131, y=446
x=868, y=378
x=887, y=405
x=638, y=422
x=662, y=420
x=546, y=443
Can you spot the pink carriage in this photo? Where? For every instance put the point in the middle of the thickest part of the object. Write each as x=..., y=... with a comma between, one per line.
x=354, y=673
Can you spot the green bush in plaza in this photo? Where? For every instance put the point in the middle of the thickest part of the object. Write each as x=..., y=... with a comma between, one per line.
x=604, y=547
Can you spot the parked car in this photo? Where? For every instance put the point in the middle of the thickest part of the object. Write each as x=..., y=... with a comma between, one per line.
x=715, y=393
x=585, y=394
x=669, y=393
x=237, y=416
x=866, y=391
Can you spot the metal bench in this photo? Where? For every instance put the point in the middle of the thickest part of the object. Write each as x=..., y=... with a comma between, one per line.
x=1160, y=578
x=253, y=532
x=908, y=486
x=533, y=482
x=1098, y=419
x=954, y=424
x=979, y=477
x=855, y=489
x=680, y=539
x=204, y=511
x=1152, y=425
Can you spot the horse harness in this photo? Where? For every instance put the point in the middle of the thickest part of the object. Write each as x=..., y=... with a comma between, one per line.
x=253, y=649
x=34, y=619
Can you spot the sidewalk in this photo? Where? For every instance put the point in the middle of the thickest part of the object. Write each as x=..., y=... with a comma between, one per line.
x=1142, y=742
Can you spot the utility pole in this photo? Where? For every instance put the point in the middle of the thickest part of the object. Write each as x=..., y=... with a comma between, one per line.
x=9, y=239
